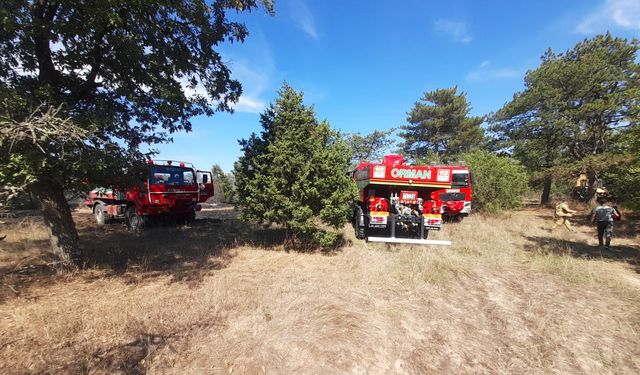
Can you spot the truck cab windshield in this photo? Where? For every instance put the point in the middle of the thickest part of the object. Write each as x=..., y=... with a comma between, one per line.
x=460, y=180
x=168, y=175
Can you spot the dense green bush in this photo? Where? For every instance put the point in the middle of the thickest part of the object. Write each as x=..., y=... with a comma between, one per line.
x=294, y=173
x=499, y=182
x=623, y=178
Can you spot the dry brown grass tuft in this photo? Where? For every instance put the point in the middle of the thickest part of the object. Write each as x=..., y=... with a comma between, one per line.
x=508, y=297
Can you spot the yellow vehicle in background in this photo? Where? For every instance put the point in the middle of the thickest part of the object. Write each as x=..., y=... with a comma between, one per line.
x=583, y=192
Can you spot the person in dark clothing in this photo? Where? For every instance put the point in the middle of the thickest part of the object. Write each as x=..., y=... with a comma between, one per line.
x=603, y=216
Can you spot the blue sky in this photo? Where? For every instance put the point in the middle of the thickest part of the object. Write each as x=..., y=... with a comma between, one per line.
x=363, y=64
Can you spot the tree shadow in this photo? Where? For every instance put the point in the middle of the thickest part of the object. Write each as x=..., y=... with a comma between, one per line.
x=130, y=357
x=186, y=254
x=547, y=245
x=629, y=226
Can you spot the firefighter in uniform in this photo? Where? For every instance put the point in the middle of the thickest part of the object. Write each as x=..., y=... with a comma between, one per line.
x=561, y=215
x=603, y=216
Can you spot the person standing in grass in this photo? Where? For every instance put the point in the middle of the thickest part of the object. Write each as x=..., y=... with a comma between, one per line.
x=603, y=216
x=561, y=215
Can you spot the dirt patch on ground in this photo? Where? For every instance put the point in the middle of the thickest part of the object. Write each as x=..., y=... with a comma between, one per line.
x=510, y=296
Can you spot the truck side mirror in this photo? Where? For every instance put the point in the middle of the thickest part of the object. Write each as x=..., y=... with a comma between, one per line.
x=205, y=178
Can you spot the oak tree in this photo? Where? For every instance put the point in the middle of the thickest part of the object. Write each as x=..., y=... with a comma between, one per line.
x=121, y=73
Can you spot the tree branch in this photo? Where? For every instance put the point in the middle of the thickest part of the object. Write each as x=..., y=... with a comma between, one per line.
x=96, y=55
x=42, y=129
x=43, y=14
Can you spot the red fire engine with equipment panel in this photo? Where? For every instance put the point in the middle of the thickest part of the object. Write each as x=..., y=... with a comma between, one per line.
x=402, y=203
x=170, y=189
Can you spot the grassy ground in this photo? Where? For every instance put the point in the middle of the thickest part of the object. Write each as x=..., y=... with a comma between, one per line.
x=509, y=297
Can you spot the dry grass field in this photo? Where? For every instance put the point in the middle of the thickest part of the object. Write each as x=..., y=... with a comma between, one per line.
x=509, y=297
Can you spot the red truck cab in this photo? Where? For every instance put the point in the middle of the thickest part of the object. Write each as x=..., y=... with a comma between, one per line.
x=170, y=189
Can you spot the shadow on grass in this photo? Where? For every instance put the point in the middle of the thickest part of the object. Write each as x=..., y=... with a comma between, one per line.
x=546, y=245
x=185, y=254
x=130, y=357
x=628, y=227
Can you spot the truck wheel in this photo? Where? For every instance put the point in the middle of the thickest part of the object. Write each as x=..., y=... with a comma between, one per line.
x=358, y=226
x=189, y=219
x=134, y=221
x=186, y=219
x=99, y=212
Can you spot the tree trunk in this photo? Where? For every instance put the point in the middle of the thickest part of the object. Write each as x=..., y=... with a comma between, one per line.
x=546, y=190
x=593, y=187
x=57, y=217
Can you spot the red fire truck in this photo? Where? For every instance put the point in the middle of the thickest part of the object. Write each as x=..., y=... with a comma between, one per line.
x=401, y=203
x=169, y=189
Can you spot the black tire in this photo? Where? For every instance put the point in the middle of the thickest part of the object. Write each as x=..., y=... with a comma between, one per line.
x=134, y=221
x=100, y=214
x=358, y=226
x=189, y=219
x=185, y=219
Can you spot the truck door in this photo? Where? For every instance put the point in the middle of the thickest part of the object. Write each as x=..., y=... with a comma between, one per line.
x=205, y=185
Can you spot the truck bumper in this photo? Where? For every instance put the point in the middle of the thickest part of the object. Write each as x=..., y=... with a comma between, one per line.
x=403, y=225
x=170, y=210
x=415, y=241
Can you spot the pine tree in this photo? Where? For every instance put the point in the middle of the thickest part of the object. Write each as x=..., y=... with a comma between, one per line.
x=223, y=185
x=370, y=147
x=623, y=179
x=440, y=125
x=295, y=171
x=573, y=105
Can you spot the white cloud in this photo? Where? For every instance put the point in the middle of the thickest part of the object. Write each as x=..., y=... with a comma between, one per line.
x=303, y=18
x=249, y=104
x=189, y=90
x=482, y=73
x=255, y=69
x=457, y=30
x=254, y=80
x=624, y=14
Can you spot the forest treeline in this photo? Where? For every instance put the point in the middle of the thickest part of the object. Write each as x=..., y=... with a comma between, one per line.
x=76, y=115
x=578, y=114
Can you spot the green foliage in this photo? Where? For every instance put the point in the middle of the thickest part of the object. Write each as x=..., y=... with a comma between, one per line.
x=46, y=145
x=440, y=124
x=124, y=71
x=369, y=147
x=327, y=239
x=294, y=173
x=88, y=82
x=573, y=105
x=224, y=183
x=623, y=178
x=499, y=182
